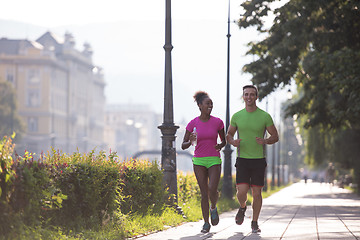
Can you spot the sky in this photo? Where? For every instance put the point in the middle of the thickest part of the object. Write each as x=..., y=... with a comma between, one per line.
x=134, y=68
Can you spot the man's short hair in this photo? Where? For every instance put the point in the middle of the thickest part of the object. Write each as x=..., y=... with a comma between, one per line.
x=251, y=86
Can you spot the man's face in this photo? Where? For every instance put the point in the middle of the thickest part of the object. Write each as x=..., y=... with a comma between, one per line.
x=249, y=96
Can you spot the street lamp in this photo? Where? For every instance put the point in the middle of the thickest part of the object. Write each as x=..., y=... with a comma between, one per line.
x=168, y=129
x=279, y=159
x=289, y=94
x=266, y=155
x=227, y=179
x=273, y=156
x=288, y=153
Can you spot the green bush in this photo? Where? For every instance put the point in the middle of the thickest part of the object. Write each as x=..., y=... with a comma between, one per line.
x=27, y=189
x=188, y=187
x=75, y=192
x=143, y=189
x=31, y=193
x=92, y=186
x=7, y=176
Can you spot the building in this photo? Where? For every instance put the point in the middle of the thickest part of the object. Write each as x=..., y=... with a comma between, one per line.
x=59, y=90
x=131, y=129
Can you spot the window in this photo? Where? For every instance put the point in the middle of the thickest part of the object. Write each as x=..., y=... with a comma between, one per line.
x=33, y=76
x=33, y=98
x=10, y=76
x=32, y=124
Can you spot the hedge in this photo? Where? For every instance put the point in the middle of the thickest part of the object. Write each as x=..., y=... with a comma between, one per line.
x=75, y=192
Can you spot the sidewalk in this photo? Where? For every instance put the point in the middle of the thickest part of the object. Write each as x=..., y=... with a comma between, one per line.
x=301, y=211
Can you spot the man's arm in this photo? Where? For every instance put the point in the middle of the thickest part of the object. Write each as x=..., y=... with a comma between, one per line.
x=274, y=136
x=230, y=136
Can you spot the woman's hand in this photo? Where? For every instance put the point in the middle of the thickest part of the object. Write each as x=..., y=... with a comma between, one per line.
x=218, y=147
x=192, y=137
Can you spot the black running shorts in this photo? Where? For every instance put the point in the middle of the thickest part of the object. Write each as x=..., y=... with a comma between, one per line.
x=250, y=171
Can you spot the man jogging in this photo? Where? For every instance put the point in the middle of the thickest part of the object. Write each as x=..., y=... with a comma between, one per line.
x=250, y=123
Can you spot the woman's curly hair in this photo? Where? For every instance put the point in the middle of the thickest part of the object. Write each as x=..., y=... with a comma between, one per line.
x=200, y=96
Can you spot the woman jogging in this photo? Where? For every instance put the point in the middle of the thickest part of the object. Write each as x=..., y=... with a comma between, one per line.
x=203, y=132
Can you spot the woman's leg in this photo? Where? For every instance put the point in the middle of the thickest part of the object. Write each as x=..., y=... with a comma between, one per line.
x=214, y=178
x=201, y=174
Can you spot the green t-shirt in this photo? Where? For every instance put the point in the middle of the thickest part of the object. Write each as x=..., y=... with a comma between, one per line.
x=249, y=126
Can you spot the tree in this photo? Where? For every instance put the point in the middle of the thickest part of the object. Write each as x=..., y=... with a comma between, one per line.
x=316, y=44
x=9, y=118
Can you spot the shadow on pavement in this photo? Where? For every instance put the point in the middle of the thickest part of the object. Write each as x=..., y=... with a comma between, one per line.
x=198, y=236
x=344, y=196
x=236, y=236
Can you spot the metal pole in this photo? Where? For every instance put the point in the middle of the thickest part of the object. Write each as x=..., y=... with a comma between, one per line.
x=168, y=129
x=266, y=156
x=273, y=157
x=227, y=181
x=279, y=158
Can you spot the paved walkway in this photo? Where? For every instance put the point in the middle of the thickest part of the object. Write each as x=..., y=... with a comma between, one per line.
x=301, y=211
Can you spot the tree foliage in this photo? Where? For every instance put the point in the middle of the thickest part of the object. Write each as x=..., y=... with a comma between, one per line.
x=317, y=44
x=9, y=118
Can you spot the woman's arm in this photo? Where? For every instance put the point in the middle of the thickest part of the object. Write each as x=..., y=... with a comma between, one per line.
x=219, y=146
x=188, y=137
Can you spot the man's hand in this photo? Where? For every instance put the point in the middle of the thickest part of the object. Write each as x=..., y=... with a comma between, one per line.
x=236, y=142
x=260, y=141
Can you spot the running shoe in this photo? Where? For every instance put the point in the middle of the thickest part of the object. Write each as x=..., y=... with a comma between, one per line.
x=255, y=227
x=206, y=227
x=214, y=216
x=239, y=219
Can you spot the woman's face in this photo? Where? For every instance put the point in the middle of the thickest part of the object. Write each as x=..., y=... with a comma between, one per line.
x=206, y=106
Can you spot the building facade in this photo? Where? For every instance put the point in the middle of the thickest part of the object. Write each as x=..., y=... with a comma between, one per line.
x=60, y=93
x=131, y=129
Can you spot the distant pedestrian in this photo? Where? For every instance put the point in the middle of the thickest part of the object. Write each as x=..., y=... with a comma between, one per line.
x=330, y=173
x=204, y=131
x=250, y=123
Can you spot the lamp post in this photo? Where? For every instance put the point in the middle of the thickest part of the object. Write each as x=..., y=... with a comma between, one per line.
x=266, y=156
x=227, y=182
x=168, y=129
x=288, y=152
x=279, y=158
x=273, y=157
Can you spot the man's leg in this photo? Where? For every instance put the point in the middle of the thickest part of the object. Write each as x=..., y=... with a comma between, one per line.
x=241, y=193
x=242, y=188
x=257, y=202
